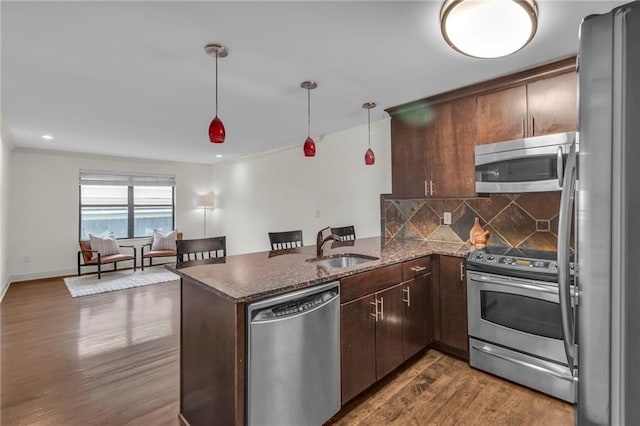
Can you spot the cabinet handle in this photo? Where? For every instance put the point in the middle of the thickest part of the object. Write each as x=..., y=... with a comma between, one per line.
x=418, y=268
x=533, y=126
x=408, y=299
x=461, y=271
x=376, y=314
x=428, y=188
x=382, y=308
x=523, y=132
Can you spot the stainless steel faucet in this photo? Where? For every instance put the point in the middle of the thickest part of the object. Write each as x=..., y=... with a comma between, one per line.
x=321, y=241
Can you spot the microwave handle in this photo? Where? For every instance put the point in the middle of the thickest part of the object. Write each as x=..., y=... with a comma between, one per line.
x=560, y=166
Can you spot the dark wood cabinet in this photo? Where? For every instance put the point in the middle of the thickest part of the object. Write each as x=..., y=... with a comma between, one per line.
x=383, y=327
x=552, y=104
x=501, y=115
x=358, y=346
x=432, y=139
x=371, y=336
x=389, y=330
x=453, y=325
x=408, y=154
x=417, y=323
x=433, y=156
x=449, y=145
x=541, y=107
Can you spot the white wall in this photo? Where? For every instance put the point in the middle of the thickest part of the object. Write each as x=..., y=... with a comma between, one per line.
x=4, y=215
x=44, y=211
x=283, y=190
x=274, y=191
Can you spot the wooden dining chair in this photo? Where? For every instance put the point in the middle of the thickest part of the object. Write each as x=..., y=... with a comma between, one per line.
x=201, y=248
x=344, y=233
x=285, y=240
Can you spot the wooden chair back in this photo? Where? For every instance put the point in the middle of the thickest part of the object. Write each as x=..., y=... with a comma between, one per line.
x=201, y=248
x=285, y=240
x=344, y=233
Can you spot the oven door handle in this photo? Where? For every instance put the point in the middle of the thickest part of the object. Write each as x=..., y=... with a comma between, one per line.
x=564, y=235
x=557, y=374
x=514, y=284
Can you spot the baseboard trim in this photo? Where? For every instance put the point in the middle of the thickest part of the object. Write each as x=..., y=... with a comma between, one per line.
x=5, y=288
x=183, y=421
x=39, y=275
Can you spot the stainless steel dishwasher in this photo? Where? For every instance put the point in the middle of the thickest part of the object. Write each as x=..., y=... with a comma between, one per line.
x=293, y=363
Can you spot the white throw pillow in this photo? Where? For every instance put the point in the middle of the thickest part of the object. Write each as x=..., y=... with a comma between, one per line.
x=162, y=241
x=105, y=245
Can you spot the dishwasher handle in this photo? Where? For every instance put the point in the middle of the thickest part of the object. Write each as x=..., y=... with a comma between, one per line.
x=294, y=307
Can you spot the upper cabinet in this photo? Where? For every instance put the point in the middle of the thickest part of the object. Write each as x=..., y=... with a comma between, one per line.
x=501, y=115
x=432, y=140
x=538, y=108
x=552, y=104
x=408, y=156
x=449, y=145
x=432, y=150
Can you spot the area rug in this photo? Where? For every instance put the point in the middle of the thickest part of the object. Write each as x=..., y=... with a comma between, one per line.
x=118, y=280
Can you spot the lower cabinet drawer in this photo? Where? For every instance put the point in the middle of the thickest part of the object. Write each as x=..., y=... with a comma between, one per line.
x=360, y=285
x=416, y=268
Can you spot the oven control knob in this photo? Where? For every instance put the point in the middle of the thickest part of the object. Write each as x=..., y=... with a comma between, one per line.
x=479, y=256
x=508, y=260
x=491, y=257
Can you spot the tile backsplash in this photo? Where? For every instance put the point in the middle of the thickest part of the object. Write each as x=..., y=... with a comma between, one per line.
x=527, y=220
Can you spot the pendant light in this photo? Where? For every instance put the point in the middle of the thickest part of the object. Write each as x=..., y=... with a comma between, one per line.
x=217, y=132
x=309, y=144
x=488, y=28
x=369, y=156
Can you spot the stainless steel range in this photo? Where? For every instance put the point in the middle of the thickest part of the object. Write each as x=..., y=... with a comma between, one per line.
x=515, y=323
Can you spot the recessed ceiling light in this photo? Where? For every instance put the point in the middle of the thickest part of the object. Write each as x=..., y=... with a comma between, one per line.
x=218, y=155
x=47, y=137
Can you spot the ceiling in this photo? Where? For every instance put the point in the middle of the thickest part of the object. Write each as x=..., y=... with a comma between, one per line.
x=132, y=79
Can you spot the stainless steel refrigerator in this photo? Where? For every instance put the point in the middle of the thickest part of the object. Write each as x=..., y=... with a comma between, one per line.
x=601, y=190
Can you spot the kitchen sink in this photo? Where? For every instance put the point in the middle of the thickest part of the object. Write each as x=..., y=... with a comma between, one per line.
x=343, y=261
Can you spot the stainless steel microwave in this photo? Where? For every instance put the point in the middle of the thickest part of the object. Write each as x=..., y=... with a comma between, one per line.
x=532, y=164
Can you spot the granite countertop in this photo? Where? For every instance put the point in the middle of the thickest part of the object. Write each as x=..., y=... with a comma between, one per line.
x=249, y=277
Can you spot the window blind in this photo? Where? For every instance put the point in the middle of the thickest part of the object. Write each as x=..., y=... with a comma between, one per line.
x=92, y=177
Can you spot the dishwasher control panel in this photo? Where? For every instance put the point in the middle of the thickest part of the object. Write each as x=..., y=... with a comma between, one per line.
x=293, y=307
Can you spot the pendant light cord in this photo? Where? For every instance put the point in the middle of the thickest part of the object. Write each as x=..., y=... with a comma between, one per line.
x=308, y=112
x=369, y=125
x=216, y=84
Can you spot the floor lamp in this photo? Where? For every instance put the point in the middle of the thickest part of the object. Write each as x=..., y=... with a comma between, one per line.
x=206, y=202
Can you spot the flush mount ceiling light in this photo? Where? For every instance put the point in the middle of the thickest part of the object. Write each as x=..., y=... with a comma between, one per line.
x=369, y=157
x=309, y=144
x=47, y=137
x=217, y=132
x=488, y=28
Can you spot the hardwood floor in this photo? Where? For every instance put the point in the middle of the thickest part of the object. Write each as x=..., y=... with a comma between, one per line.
x=105, y=359
x=436, y=389
x=112, y=359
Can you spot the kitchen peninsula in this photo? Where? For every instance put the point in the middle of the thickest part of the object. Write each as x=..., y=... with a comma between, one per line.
x=214, y=298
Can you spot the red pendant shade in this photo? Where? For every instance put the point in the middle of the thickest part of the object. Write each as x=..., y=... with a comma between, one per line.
x=216, y=131
x=309, y=147
x=369, y=157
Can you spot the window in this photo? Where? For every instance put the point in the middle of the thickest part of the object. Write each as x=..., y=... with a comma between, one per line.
x=130, y=206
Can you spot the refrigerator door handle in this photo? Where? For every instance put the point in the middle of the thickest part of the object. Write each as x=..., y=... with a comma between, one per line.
x=560, y=166
x=564, y=235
